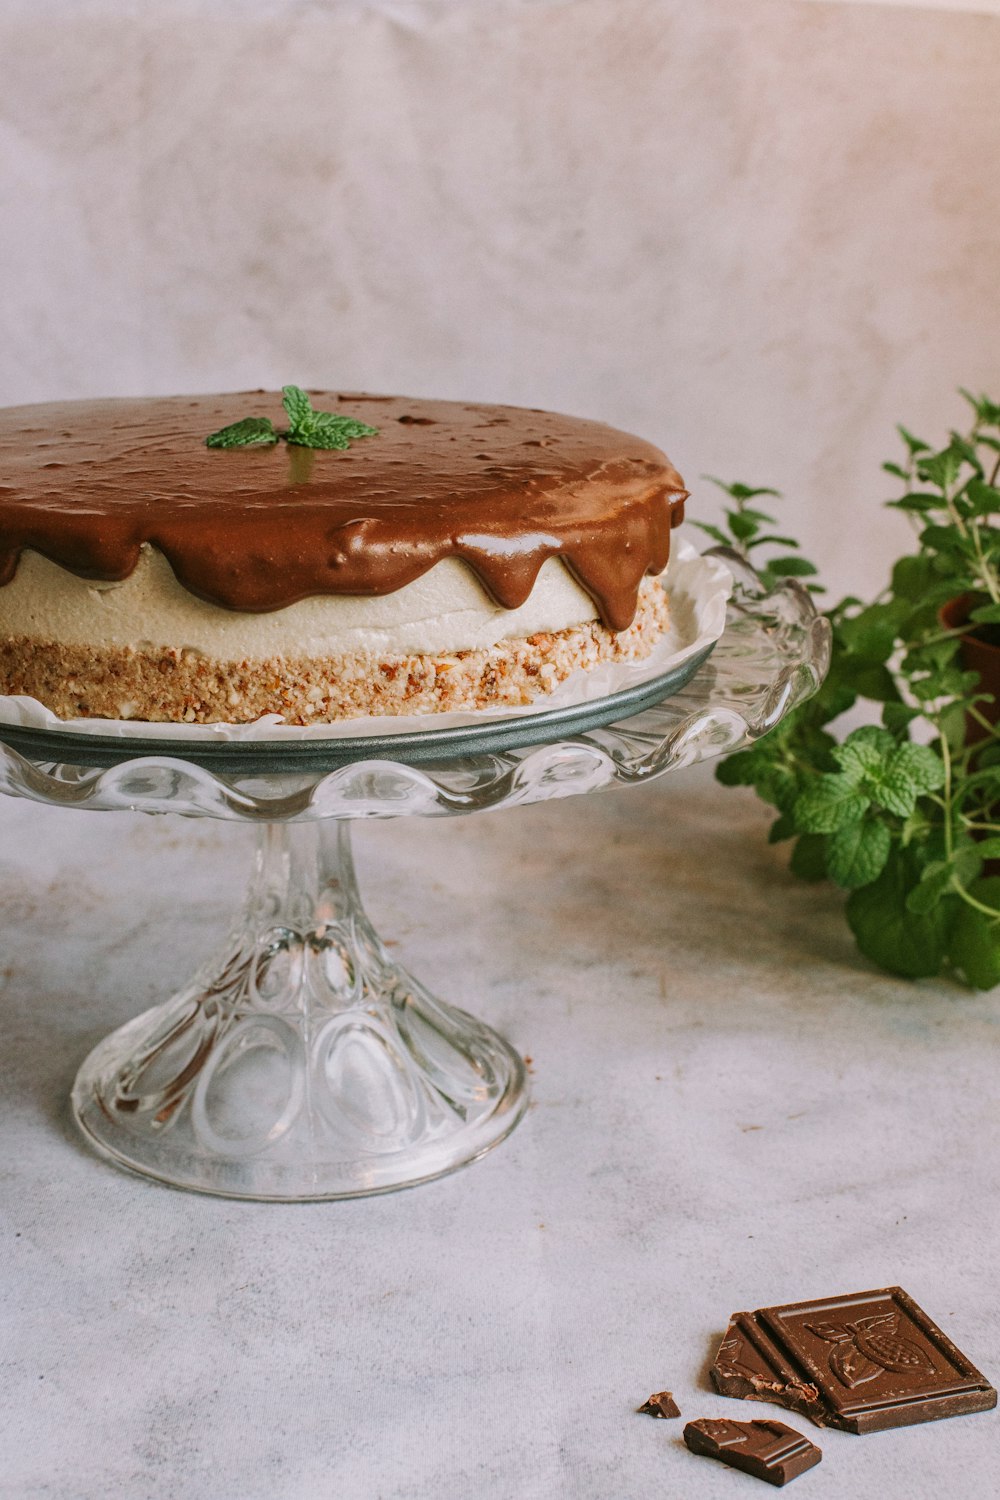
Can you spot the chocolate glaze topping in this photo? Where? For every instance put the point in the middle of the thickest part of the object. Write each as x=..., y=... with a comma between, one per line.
x=86, y=483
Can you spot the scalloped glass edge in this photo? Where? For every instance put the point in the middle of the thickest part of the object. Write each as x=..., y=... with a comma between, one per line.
x=772, y=655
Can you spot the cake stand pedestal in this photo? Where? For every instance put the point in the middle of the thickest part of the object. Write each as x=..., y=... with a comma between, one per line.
x=303, y=1062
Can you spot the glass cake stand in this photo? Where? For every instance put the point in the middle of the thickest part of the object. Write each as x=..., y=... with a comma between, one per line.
x=302, y=1062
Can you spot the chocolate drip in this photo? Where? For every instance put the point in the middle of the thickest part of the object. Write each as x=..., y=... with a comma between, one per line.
x=87, y=483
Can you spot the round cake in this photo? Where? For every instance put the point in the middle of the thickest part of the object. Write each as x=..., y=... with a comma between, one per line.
x=441, y=556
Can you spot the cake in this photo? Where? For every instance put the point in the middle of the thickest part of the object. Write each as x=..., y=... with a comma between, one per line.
x=450, y=556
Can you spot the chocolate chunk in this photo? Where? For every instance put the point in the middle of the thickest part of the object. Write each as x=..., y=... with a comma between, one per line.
x=767, y=1450
x=661, y=1404
x=862, y=1363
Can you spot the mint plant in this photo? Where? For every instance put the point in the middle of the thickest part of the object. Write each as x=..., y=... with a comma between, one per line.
x=903, y=814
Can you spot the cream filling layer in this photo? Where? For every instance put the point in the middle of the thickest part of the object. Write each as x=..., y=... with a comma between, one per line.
x=446, y=610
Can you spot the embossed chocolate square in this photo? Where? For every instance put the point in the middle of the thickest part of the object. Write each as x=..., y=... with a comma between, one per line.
x=863, y=1363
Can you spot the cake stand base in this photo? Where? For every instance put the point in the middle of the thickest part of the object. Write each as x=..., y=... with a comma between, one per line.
x=302, y=1063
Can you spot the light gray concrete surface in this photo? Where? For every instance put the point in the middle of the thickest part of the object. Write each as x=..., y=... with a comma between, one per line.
x=758, y=234
x=730, y=1108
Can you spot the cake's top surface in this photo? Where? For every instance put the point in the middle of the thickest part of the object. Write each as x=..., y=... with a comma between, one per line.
x=87, y=483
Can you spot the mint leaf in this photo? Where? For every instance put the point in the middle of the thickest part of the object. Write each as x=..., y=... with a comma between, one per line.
x=251, y=432
x=298, y=408
x=856, y=854
x=740, y=491
x=831, y=802
x=941, y=468
x=326, y=430
x=925, y=896
x=914, y=444
x=984, y=499
x=791, y=567
x=782, y=828
x=808, y=859
x=897, y=717
x=740, y=769
x=922, y=765
x=865, y=752
x=988, y=848
x=893, y=937
x=871, y=634
x=742, y=526
x=893, y=789
x=974, y=948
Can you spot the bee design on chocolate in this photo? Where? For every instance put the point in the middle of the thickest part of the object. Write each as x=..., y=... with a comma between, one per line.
x=869, y=1347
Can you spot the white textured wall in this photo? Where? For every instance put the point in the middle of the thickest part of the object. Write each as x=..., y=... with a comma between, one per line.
x=759, y=233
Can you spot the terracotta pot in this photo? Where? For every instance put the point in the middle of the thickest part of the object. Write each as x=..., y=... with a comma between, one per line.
x=975, y=656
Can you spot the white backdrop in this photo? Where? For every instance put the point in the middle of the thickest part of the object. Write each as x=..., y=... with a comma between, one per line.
x=758, y=233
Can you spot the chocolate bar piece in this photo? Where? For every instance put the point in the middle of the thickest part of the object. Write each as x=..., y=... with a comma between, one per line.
x=861, y=1363
x=661, y=1404
x=768, y=1450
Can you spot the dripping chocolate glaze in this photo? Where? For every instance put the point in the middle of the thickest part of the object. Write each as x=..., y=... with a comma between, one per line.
x=87, y=483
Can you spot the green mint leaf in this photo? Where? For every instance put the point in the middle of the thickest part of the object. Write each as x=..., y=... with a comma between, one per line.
x=782, y=828
x=875, y=682
x=988, y=848
x=779, y=541
x=791, y=567
x=808, y=859
x=871, y=634
x=740, y=491
x=941, y=468
x=298, y=407
x=830, y=803
x=987, y=411
x=349, y=426
x=974, y=946
x=893, y=789
x=925, y=896
x=742, y=527
x=964, y=448
x=251, y=432
x=740, y=769
x=946, y=541
x=890, y=935
x=922, y=765
x=324, y=429
x=857, y=853
x=759, y=516
x=865, y=752
x=897, y=718
x=912, y=577
x=917, y=503
x=312, y=434
x=914, y=444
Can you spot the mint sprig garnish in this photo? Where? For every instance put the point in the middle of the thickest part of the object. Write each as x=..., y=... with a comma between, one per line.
x=307, y=428
x=903, y=815
x=249, y=433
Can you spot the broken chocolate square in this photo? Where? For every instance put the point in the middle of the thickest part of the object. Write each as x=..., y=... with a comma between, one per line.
x=661, y=1404
x=862, y=1363
x=768, y=1450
